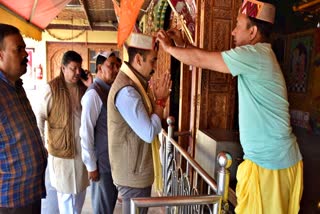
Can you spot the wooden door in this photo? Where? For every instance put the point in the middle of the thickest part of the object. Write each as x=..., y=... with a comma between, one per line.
x=207, y=98
x=55, y=51
x=217, y=91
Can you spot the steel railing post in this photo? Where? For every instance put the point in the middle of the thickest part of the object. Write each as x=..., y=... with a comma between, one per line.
x=224, y=160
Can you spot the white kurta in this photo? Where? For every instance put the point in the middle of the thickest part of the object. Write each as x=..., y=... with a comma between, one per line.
x=67, y=175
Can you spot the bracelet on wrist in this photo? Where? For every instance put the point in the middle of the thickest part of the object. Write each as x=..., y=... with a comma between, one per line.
x=161, y=102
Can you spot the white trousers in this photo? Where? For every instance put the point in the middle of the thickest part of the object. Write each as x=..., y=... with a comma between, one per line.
x=71, y=203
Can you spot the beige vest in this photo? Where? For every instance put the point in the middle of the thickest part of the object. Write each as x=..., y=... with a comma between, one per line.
x=130, y=157
x=60, y=120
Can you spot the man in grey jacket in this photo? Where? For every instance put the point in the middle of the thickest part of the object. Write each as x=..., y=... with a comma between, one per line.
x=94, y=134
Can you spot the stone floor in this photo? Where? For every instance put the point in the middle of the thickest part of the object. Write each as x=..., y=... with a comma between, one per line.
x=50, y=205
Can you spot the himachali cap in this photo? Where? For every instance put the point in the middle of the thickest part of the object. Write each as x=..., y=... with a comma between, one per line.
x=259, y=10
x=102, y=57
x=105, y=54
x=142, y=41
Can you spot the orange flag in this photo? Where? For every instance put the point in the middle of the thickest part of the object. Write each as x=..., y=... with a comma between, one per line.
x=129, y=10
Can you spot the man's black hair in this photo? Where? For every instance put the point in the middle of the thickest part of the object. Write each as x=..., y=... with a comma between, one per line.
x=265, y=28
x=101, y=59
x=6, y=30
x=71, y=56
x=132, y=52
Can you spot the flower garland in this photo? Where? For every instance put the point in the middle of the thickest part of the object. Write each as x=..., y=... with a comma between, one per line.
x=67, y=38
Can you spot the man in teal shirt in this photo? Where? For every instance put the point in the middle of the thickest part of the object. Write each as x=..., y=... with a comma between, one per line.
x=270, y=180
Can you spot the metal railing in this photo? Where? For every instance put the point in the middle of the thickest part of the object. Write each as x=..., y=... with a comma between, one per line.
x=181, y=193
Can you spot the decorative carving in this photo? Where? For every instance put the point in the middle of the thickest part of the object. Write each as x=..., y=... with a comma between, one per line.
x=217, y=90
x=221, y=35
x=223, y=3
x=222, y=13
x=163, y=63
x=217, y=116
x=216, y=77
x=56, y=63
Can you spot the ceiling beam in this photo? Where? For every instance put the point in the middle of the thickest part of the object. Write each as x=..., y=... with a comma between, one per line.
x=306, y=5
x=76, y=27
x=34, y=6
x=86, y=11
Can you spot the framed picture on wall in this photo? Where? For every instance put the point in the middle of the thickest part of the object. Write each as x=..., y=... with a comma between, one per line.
x=28, y=78
x=30, y=52
x=298, y=62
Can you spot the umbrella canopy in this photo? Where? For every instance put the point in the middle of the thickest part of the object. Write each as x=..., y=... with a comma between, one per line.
x=30, y=16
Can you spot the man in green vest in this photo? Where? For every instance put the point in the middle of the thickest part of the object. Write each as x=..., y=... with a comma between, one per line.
x=134, y=121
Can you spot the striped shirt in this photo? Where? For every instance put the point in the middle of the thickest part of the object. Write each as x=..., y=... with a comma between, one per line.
x=23, y=157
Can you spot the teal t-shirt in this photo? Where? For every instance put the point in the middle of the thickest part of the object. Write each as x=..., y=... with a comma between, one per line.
x=264, y=121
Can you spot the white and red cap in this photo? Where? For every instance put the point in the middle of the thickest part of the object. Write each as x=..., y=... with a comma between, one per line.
x=105, y=54
x=142, y=41
x=259, y=10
